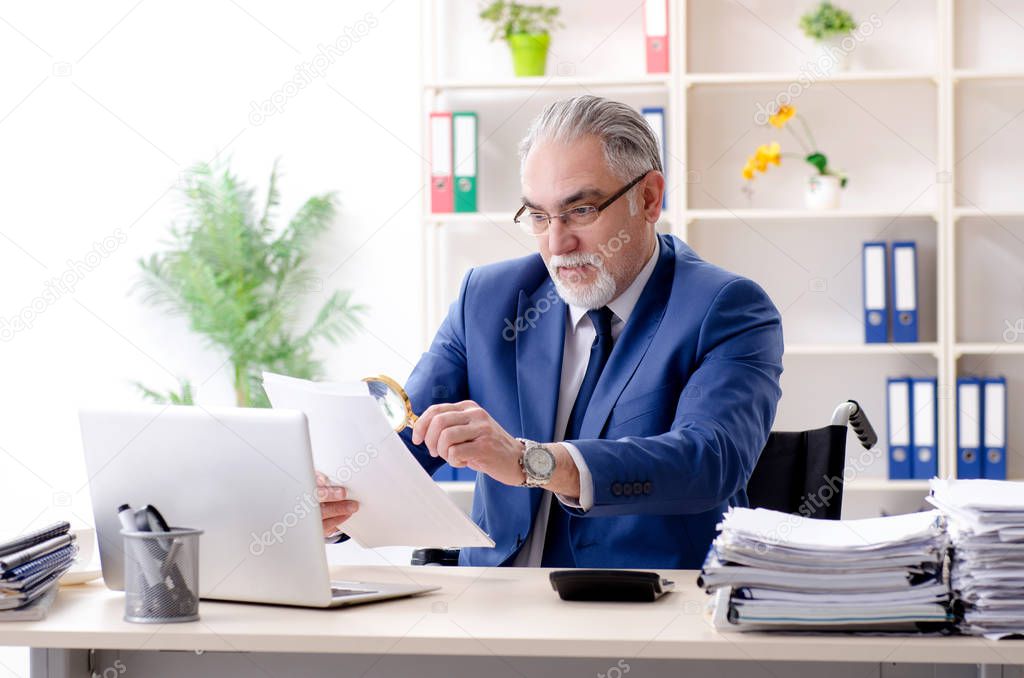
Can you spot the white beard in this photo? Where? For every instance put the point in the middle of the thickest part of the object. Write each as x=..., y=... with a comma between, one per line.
x=594, y=295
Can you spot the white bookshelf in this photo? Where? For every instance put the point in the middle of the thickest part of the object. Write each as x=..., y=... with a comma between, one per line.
x=805, y=214
x=835, y=349
x=691, y=79
x=987, y=349
x=961, y=212
x=969, y=74
x=872, y=484
x=550, y=82
x=936, y=76
x=504, y=218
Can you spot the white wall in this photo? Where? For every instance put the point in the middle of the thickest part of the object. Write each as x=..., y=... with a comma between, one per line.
x=102, y=107
x=97, y=153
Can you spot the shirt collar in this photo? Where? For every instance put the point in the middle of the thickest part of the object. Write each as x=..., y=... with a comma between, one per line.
x=622, y=306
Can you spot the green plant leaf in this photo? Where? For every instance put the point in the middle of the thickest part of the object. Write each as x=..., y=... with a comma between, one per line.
x=273, y=200
x=510, y=18
x=240, y=282
x=183, y=396
x=825, y=21
x=818, y=160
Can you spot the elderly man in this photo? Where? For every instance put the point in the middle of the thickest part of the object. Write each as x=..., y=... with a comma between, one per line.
x=613, y=391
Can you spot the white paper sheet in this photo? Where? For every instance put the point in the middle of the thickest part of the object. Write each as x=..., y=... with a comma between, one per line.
x=399, y=504
x=986, y=522
x=785, y=571
x=980, y=494
x=811, y=534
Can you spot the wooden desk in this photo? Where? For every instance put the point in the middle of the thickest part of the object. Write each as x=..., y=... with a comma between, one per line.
x=488, y=613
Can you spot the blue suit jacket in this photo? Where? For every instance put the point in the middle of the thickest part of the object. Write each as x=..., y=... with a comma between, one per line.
x=679, y=417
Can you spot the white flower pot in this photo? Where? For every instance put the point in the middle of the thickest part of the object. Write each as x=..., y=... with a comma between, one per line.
x=830, y=56
x=822, y=192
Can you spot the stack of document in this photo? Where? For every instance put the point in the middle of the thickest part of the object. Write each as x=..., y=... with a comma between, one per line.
x=30, y=567
x=986, y=527
x=770, y=570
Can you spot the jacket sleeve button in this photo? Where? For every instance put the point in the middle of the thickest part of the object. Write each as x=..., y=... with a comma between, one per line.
x=647, y=487
x=617, y=489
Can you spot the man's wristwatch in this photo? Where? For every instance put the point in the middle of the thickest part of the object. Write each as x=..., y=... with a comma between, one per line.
x=538, y=463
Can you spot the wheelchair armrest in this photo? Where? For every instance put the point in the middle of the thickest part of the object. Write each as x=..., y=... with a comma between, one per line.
x=852, y=413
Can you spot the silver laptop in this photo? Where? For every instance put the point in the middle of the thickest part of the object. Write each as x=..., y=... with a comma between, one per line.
x=244, y=476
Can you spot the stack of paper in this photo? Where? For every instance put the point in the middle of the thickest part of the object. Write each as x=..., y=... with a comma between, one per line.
x=986, y=526
x=30, y=567
x=772, y=570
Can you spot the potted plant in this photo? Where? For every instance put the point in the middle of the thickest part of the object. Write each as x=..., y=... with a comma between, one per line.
x=827, y=25
x=238, y=279
x=823, y=188
x=526, y=29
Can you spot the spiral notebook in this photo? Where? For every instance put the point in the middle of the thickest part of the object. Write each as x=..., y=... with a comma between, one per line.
x=39, y=536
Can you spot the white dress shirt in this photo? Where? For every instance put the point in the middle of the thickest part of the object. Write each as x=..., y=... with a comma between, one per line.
x=579, y=338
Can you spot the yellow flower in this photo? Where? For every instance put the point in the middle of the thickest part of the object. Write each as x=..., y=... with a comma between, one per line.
x=769, y=153
x=764, y=155
x=748, y=169
x=782, y=116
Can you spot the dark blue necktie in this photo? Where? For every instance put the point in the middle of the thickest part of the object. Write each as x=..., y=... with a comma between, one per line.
x=557, y=552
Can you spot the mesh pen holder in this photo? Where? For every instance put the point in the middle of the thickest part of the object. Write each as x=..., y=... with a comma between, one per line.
x=161, y=576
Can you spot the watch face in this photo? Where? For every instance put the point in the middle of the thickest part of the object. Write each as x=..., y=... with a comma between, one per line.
x=539, y=462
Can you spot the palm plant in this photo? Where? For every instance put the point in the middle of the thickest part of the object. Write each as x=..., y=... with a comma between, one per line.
x=237, y=279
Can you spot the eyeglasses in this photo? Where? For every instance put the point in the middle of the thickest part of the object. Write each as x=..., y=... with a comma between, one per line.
x=537, y=223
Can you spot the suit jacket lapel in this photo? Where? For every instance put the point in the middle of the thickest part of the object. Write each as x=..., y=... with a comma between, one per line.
x=540, y=339
x=633, y=342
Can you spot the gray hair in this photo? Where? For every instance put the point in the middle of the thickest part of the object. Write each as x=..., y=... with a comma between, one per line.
x=630, y=147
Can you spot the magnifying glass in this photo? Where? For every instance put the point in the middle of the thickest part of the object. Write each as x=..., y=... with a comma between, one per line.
x=393, y=400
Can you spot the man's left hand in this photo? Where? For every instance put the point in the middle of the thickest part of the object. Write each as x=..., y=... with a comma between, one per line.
x=464, y=434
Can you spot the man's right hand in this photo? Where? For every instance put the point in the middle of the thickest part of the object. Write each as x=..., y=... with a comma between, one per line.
x=335, y=509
